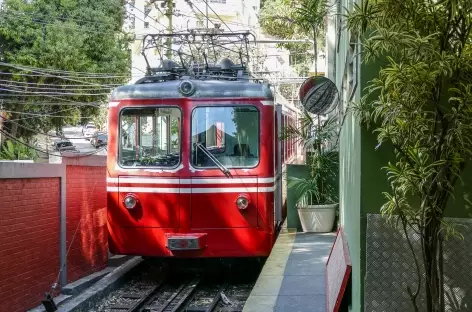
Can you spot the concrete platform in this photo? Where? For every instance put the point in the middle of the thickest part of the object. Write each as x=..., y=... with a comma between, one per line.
x=293, y=277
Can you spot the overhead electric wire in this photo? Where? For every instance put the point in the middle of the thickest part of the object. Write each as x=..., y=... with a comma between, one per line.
x=63, y=18
x=63, y=25
x=44, y=114
x=46, y=87
x=160, y=30
x=59, y=111
x=47, y=134
x=147, y=16
x=45, y=72
x=75, y=73
x=228, y=22
x=206, y=2
x=40, y=93
x=47, y=152
x=57, y=85
x=41, y=103
x=193, y=5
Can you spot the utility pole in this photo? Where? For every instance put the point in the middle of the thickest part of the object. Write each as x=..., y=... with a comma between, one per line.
x=170, y=12
x=206, y=12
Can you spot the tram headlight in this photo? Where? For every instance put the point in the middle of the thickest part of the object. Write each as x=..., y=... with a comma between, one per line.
x=130, y=201
x=242, y=202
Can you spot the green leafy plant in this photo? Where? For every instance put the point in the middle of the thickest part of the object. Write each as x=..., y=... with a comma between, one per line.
x=317, y=137
x=421, y=104
x=12, y=150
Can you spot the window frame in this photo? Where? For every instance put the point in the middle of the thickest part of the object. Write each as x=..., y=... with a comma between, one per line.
x=225, y=106
x=118, y=155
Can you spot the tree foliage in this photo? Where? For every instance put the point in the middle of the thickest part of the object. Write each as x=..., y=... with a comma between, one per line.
x=295, y=20
x=68, y=52
x=421, y=104
x=13, y=150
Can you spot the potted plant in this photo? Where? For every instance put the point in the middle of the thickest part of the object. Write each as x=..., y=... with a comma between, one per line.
x=317, y=195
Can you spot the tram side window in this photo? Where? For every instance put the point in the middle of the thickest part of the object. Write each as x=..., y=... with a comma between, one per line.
x=150, y=137
x=229, y=134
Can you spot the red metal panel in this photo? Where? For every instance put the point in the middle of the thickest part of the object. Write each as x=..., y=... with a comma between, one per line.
x=213, y=205
x=238, y=242
x=158, y=202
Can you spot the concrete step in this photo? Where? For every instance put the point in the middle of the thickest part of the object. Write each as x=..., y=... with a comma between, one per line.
x=117, y=260
x=80, y=285
x=61, y=299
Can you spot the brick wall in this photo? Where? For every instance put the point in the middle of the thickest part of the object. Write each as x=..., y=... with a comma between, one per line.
x=86, y=204
x=30, y=206
x=29, y=240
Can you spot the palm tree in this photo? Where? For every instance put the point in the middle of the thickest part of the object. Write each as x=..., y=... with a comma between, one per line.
x=310, y=17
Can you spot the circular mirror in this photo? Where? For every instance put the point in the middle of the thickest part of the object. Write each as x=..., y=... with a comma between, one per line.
x=317, y=94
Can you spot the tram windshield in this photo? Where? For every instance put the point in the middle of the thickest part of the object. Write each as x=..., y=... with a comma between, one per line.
x=150, y=137
x=230, y=134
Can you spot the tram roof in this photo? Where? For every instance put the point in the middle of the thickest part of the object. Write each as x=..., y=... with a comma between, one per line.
x=207, y=88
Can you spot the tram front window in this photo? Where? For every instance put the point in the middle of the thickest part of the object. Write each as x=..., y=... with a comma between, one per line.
x=230, y=134
x=150, y=137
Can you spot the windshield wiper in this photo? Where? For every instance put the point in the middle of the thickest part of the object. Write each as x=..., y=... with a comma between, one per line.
x=214, y=159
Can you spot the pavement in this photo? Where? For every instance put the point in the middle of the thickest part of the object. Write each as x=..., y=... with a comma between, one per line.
x=293, y=277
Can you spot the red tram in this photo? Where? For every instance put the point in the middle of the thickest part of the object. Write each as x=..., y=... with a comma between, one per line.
x=195, y=167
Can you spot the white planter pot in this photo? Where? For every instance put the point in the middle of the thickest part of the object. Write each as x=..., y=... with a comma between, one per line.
x=317, y=218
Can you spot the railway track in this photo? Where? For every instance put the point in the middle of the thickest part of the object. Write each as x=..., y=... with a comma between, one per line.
x=192, y=292
x=185, y=297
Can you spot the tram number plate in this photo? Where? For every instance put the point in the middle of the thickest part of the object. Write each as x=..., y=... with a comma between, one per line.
x=183, y=243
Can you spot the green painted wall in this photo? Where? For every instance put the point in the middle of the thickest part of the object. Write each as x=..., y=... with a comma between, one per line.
x=297, y=171
x=349, y=201
x=373, y=181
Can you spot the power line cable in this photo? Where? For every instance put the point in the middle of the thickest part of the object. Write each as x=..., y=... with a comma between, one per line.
x=59, y=111
x=59, y=18
x=74, y=73
x=50, y=75
x=46, y=87
x=56, y=85
x=147, y=16
x=42, y=103
x=47, y=134
x=43, y=22
x=40, y=93
x=43, y=114
x=45, y=73
x=46, y=151
x=228, y=22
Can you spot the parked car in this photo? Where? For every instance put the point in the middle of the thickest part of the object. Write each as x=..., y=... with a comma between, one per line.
x=63, y=145
x=99, y=139
x=88, y=130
